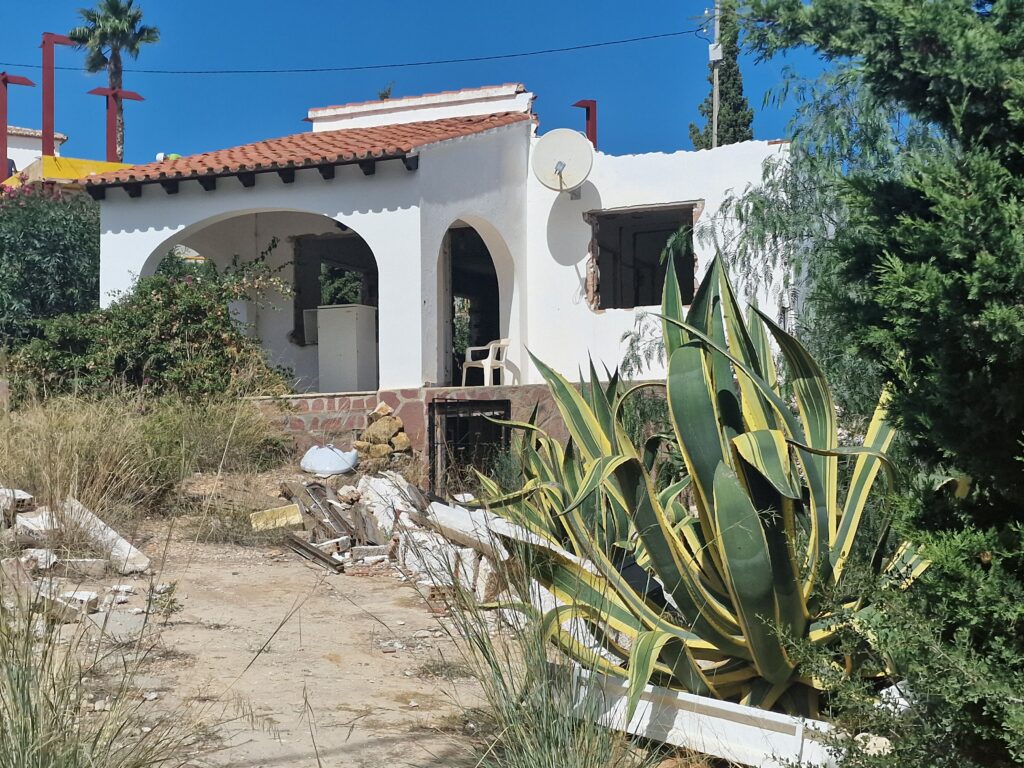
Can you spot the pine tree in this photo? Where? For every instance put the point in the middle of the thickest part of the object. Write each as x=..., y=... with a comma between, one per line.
x=735, y=117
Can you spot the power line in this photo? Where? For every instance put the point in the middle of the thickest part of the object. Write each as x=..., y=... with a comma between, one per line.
x=367, y=67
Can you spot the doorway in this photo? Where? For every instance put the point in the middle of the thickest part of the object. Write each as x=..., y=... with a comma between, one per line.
x=469, y=299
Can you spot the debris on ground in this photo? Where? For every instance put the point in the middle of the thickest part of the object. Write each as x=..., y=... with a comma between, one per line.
x=326, y=460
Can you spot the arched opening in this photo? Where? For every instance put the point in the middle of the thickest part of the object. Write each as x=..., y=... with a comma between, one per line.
x=325, y=331
x=470, y=303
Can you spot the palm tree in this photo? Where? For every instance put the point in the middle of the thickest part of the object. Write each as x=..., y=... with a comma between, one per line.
x=112, y=28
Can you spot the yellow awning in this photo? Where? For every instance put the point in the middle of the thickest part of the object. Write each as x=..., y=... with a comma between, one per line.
x=62, y=170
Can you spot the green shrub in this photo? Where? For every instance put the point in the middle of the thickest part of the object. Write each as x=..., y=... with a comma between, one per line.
x=49, y=258
x=173, y=333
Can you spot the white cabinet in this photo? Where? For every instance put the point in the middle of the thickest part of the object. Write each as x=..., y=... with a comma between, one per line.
x=347, y=347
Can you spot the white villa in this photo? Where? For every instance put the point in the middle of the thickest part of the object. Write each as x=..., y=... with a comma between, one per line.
x=421, y=201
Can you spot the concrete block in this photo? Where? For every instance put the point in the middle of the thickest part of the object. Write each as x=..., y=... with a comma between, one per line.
x=361, y=553
x=278, y=517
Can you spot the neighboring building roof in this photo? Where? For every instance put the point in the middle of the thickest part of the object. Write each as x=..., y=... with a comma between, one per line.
x=32, y=133
x=309, y=150
x=61, y=170
x=484, y=91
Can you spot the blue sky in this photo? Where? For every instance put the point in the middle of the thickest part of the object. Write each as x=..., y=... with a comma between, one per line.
x=647, y=92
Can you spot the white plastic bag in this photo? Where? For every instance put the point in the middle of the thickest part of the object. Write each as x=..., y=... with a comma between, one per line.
x=328, y=460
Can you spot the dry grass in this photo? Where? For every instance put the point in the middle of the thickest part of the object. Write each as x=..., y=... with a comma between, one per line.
x=66, y=704
x=124, y=456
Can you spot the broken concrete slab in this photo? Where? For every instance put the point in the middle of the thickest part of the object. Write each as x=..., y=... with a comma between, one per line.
x=288, y=516
x=35, y=559
x=385, y=503
x=432, y=555
x=122, y=555
x=490, y=580
x=375, y=550
x=36, y=527
x=13, y=500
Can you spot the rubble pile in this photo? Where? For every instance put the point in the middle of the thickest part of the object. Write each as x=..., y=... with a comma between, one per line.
x=386, y=521
x=384, y=436
x=44, y=573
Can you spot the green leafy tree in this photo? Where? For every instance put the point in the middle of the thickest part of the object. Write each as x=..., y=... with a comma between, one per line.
x=931, y=256
x=49, y=258
x=919, y=273
x=111, y=30
x=735, y=117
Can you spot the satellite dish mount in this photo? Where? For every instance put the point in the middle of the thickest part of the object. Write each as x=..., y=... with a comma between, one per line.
x=562, y=160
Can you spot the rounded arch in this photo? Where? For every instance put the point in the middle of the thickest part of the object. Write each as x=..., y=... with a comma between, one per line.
x=327, y=263
x=470, y=245
x=243, y=226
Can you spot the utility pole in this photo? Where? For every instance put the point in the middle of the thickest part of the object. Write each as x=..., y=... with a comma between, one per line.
x=715, y=55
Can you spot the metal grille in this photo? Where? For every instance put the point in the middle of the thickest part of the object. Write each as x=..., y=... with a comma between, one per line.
x=462, y=437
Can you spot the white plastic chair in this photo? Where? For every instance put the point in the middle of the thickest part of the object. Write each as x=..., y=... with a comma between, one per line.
x=495, y=361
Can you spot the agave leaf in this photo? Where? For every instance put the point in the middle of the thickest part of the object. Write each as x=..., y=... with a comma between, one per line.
x=767, y=452
x=818, y=414
x=878, y=438
x=672, y=307
x=642, y=658
x=748, y=574
x=762, y=349
x=579, y=419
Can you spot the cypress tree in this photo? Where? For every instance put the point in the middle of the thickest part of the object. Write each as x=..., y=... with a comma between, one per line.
x=735, y=117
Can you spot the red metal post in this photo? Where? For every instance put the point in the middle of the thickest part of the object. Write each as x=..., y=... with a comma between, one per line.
x=5, y=80
x=50, y=39
x=114, y=95
x=591, y=106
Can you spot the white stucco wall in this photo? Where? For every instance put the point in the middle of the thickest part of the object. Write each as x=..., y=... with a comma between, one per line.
x=563, y=329
x=538, y=240
x=23, y=150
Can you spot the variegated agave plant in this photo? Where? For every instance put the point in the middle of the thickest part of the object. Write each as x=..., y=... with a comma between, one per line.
x=704, y=590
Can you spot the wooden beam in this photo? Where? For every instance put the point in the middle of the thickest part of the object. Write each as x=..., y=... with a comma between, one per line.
x=327, y=171
x=170, y=186
x=287, y=175
x=412, y=162
x=248, y=178
x=209, y=183
x=133, y=190
x=368, y=167
x=96, y=193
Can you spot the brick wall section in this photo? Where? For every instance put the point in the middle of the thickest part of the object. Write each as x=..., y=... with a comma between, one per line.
x=338, y=418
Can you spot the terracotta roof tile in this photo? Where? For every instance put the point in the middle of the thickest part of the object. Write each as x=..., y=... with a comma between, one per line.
x=310, y=149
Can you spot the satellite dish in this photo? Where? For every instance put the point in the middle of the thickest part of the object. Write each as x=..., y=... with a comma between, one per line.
x=562, y=159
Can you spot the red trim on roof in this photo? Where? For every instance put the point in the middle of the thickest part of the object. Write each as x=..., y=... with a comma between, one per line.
x=310, y=149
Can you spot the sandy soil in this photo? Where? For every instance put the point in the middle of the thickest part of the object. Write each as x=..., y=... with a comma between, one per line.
x=292, y=666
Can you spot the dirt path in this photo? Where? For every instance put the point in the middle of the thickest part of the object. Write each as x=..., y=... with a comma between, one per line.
x=302, y=663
